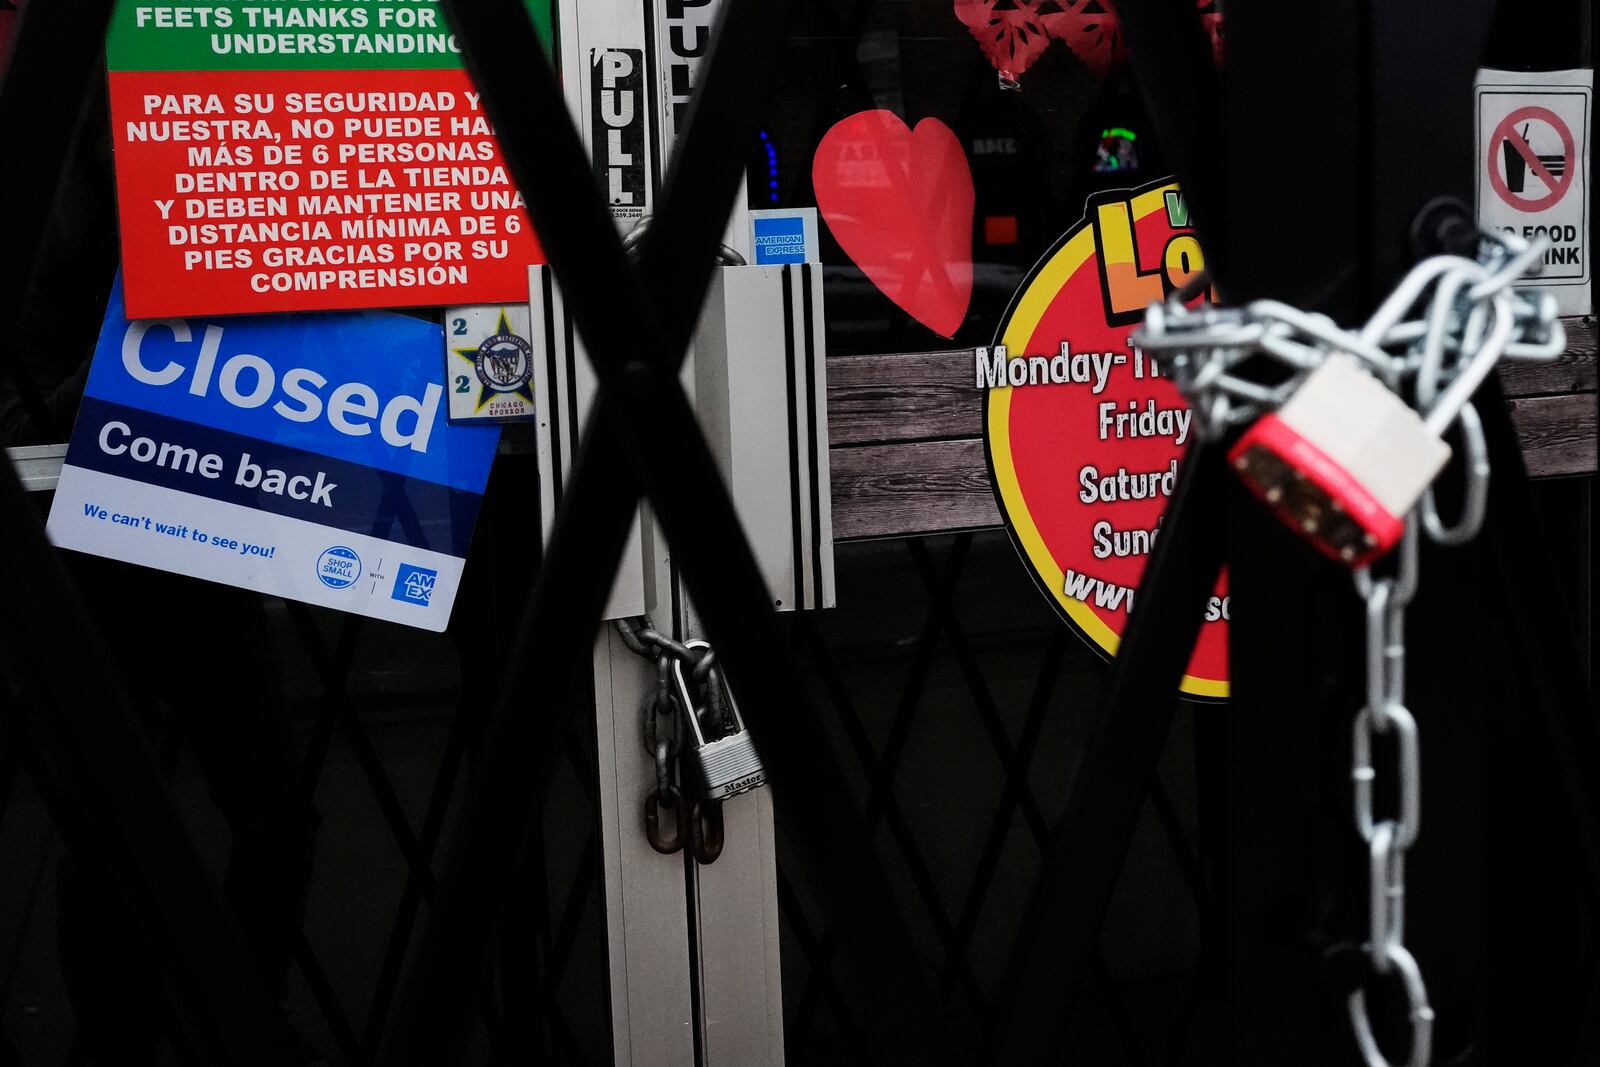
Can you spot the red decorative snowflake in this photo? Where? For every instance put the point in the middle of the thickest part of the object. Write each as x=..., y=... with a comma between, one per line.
x=1090, y=28
x=1009, y=32
x=1014, y=33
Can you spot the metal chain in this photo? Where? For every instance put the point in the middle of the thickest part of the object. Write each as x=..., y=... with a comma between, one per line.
x=697, y=824
x=1435, y=339
x=1388, y=839
x=1464, y=316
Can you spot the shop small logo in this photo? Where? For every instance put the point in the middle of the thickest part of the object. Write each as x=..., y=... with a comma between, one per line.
x=414, y=584
x=503, y=363
x=338, y=567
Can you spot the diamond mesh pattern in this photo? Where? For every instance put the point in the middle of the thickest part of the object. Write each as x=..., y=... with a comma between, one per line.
x=387, y=723
x=963, y=703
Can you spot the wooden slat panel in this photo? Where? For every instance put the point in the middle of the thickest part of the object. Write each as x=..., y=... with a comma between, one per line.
x=902, y=396
x=927, y=487
x=1574, y=372
x=895, y=490
x=1557, y=432
x=908, y=396
x=907, y=454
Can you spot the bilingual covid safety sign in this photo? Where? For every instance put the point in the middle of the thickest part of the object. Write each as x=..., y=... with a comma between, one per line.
x=1533, y=170
x=313, y=155
x=304, y=456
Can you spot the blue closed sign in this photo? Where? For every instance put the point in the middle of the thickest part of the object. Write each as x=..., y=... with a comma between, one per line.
x=306, y=456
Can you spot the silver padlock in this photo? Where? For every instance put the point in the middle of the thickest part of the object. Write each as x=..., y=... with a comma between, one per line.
x=729, y=765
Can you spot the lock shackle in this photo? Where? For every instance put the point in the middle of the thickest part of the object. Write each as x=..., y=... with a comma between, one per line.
x=680, y=688
x=714, y=677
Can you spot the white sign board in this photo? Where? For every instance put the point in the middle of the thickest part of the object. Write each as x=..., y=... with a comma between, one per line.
x=1532, y=170
x=489, y=363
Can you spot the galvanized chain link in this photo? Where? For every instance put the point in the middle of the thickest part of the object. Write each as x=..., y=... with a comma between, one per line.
x=1438, y=335
x=1434, y=340
x=1388, y=838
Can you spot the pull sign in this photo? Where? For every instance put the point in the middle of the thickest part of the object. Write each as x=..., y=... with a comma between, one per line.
x=1532, y=170
x=683, y=38
x=619, y=105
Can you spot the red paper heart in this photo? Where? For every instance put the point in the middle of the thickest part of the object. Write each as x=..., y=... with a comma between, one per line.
x=899, y=202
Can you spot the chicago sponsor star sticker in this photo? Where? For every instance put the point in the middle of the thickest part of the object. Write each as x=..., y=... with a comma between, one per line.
x=503, y=364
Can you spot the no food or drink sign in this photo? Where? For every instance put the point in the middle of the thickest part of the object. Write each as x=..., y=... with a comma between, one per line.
x=1533, y=170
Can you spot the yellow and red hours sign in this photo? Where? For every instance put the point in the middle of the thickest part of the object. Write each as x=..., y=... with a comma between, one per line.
x=1083, y=433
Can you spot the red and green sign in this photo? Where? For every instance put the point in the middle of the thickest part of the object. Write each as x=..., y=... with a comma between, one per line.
x=307, y=156
x=1083, y=434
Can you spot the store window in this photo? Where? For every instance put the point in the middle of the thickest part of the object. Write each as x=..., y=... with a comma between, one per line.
x=934, y=159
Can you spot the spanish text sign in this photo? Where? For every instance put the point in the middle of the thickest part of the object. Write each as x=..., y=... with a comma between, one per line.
x=307, y=156
x=305, y=456
x=1533, y=170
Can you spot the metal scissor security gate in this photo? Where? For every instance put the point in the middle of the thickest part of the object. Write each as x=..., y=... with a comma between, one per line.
x=489, y=937
x=439, y=998
x=381, y=754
